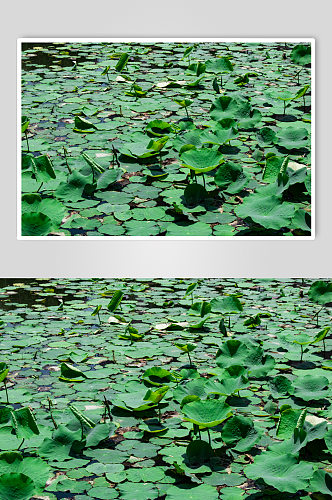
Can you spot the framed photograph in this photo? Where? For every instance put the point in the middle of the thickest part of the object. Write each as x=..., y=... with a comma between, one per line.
x=166, y=138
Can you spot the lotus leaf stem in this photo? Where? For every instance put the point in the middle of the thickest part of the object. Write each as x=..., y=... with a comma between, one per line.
x=20, y=444
x=208, y=431
x=5, y=383
x=26, y=136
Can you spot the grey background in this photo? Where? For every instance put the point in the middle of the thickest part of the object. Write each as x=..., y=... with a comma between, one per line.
x=176, y=18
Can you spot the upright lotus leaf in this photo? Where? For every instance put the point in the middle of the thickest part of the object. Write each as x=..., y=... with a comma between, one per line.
x=258, y=363
x=292, y=137
x=320, y=292
x=208, y=413
x=250, y=119
x=280, y=386
x=328, y=438
x=16, y=486
x=4, y=370
x=231, y=178
x=70, y=373
x=83, y=126
x=93, y=164
x=269, y=212
x=195, y=194
x=73, y=189
x=133, y=401
x=158, y=145
x=109, y=177
x=158, y=376
x=265, y=136
x=311, y=388
x=226, y=305
x=24, y=423
x=321, y=481
x=184, y=103
x=59, y=447
x=225, y=107
x=219, y=65
x=301, y=54
x=188, y=347
x=198, y=452
x=201, y=160
x=272, y=167
x=239, y=433
x=99, y=433
x=41, y=166
x=157, y=395
x=124, y=58
x=192, y=137
x=83, y=419
x=159, y=128
x=226, y=386
x=283, y=473
x=289, y=420
x=24, y=123
x=232, y=352
x=195, y=387
x=115, y=301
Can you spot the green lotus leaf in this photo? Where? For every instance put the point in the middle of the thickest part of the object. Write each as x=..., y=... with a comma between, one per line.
x=3, y=371
x=208, y=413
x=24, y=123
x=228, y=107
x=60, y=446
x=265, y=136
x=231, y=178
x=269, y=212
x=53, y=209
x=227, y=386
x=292, y=137
x=311, y=388
x=158, y=376
x=218, y=65
x=232, y=352
x=195, y=387
x=301, y=54
x=36, y=224
x=289, y=420
x=35, y=468
x=188, y=347
x=201, y=160
x=83, y=125
x=321, y=481
x=192, y=492
x=184, y=103
x=124, y=58
x=239, y=433
x=73, y=189
x=280, y=386
x=225, y=305
x=70, y=372
x=198, y=452
x=115, y=301
x=218, y=136
x=320, y=292
x=283, y=473
x=192, y=137
x=24, y=423
x=41, y=166
x=16, y=486
x=258, y=363
x=249, y=120
x=157, y=395
x=159, y=128
x=195, y=194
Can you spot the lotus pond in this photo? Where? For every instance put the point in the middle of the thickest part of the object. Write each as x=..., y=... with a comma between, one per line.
x=166, y=139
x=166, y=388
